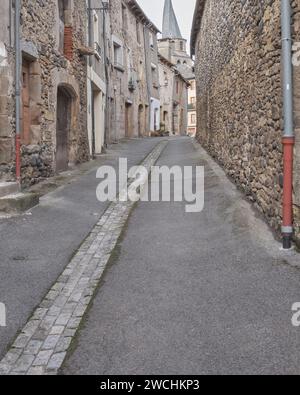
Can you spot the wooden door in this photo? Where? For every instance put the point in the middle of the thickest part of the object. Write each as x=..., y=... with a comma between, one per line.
x=140, y=121
x=62, y=130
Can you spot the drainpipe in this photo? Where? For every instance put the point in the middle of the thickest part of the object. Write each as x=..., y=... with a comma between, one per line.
x=107, y=95
x=146, y=44
x=90, y=65
x=18, y=88
x=288, y=136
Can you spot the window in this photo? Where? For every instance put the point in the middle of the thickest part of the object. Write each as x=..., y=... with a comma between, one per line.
x=193, y=100
x=166, y=78
x=124, y=17
x=138, y=32
x=154, y=75
x=96, y=35
x=193, y=118
x=151, y=38
x=181, y=46
x=177, y=87
x=141, y=71
x=118, y=55
x=31, y=98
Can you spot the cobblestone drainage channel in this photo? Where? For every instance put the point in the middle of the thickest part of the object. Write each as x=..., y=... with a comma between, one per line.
x=42, y=346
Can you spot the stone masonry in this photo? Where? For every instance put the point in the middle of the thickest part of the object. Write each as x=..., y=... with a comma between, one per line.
x=51, y=53
x=132, y=78
x=44, y=341
x=238, y=72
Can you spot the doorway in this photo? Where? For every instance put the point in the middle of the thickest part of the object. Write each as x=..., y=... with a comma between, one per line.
x=141, y=121
x=64, y=105
x=128, y=125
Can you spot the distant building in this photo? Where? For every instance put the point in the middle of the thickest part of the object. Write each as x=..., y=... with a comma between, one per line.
x=192, y=108
x=172, y=45
x=172, y=48
x=134, y=80
x=173, y=98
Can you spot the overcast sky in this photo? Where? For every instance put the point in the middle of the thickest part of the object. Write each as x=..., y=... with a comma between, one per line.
x=184, y=10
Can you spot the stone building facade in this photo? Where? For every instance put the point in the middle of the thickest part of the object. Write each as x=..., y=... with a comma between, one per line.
x=192, y=108
x=98, y=33
x=54, y=85
x=180, y=103
x=173, y=55
x=173, y=99
x=134, y=90
x=90, y=76
x=167, y=87
x=239, y=96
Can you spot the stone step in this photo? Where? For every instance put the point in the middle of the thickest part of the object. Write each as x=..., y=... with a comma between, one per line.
x=18, y=203
x=8, y=188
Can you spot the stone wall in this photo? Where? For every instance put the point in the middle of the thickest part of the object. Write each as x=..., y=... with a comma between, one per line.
x=239, y=98
x=50, y=68
x=180, y=96
x=131, y=76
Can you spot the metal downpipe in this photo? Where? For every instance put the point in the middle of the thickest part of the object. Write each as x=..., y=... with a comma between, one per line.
x=288, y=135
x=18, y=61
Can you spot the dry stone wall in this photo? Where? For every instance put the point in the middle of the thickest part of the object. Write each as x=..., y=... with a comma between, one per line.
x=238, y=71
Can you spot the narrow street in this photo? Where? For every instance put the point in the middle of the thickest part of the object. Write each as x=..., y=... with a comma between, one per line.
x=149, y=190
x=179, y=293
x=56, y=228
x=193, y=294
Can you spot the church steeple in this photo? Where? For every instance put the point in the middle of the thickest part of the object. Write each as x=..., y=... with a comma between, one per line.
x=170, y=24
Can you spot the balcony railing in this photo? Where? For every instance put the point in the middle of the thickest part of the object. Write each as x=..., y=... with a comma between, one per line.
x=192, y=106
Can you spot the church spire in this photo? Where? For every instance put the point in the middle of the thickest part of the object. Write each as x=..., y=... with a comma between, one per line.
x=170, y=24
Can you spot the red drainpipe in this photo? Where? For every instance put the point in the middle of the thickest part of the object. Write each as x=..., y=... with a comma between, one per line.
x=18, y=159
x=288, y=220
x=289, y=135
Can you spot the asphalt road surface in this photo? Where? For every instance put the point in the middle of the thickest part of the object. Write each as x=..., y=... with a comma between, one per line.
x=201, y=293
